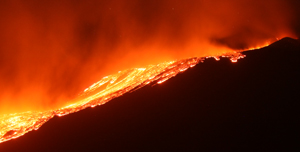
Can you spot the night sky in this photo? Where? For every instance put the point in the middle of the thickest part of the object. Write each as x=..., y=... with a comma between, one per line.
x=51, y=50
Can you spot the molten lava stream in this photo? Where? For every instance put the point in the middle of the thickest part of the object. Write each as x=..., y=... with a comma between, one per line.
x=15, y=125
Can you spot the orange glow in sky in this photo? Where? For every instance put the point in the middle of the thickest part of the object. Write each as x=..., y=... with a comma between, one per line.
x=51, y=50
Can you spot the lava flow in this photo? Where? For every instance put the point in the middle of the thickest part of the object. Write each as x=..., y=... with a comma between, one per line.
x=51, y=50
x=112, y=86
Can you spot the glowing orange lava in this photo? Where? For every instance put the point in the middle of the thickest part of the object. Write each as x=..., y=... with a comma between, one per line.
x=112, y=86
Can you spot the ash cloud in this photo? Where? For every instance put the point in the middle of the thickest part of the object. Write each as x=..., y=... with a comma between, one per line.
x=52, y=50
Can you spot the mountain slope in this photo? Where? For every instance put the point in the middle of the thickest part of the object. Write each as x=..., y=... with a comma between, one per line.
x=217, y=105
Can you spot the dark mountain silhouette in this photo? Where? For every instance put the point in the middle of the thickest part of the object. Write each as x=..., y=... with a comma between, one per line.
x=251, y=105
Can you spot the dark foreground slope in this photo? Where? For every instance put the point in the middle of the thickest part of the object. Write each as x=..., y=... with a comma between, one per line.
x=251, y=105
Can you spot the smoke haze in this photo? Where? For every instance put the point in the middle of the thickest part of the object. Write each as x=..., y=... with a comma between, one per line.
x=52, y=50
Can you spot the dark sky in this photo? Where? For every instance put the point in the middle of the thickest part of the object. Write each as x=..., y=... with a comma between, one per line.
x=51, y=50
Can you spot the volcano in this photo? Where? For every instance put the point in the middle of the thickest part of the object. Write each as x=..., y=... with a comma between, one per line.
x=216, y=105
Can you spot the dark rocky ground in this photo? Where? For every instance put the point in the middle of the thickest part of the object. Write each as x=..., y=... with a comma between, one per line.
x=251, y=105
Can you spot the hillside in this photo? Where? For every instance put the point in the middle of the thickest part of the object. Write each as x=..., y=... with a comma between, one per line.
x=251, y=105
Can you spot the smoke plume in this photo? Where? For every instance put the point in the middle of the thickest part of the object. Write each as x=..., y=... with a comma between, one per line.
x=52, y=50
